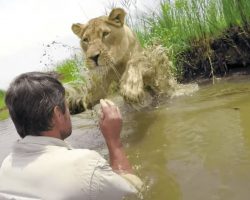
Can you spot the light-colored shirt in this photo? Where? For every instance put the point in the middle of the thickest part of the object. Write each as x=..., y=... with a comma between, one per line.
x=47, y=168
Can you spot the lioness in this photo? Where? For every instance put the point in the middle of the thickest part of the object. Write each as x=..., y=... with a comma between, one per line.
x=114, y=54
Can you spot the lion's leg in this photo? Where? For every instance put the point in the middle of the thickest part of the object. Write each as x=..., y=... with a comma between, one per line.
x=75, y=98
x=81, y=97
x=146, y=71
x=131, y=84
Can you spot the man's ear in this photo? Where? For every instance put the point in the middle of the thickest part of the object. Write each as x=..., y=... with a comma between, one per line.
x=117, y=17
x=78, y=29
x=57, y=113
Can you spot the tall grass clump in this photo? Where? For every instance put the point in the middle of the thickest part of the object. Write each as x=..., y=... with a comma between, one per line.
x=181, y=25
x=236, y=12
x=71, y=70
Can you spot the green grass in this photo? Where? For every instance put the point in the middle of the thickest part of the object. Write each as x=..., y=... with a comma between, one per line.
x=4, y=114
x=180, y=24
x=71, y=70
x=2, y=104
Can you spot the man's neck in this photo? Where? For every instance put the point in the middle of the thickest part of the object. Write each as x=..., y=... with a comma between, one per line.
x=52, y=133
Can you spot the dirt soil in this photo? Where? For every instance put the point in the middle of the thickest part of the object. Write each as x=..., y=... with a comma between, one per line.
x=222, y=56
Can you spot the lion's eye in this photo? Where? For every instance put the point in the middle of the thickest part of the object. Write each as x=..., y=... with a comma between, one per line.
x=86, y=40
x=105, y=34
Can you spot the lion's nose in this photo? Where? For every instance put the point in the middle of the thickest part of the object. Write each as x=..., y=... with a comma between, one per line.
x=95, y=58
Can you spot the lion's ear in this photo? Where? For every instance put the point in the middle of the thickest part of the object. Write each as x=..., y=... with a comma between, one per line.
x=77, y=29
x=117, y=17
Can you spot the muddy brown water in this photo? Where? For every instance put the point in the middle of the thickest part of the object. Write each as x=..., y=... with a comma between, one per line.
x=194, y=147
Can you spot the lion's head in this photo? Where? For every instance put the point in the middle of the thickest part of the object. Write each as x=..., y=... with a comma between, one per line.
x=107, y=41
x=111, y=46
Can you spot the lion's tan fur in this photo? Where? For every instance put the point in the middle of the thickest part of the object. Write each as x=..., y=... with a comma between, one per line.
x=112, y=49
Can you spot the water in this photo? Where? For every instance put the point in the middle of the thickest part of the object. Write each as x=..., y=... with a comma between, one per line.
x=189, y=148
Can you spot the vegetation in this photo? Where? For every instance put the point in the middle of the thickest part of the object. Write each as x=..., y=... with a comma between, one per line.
x=2, y=104
x=3, y=111
x=71, y=70
x=4, y=114
x=189, y=26
x=204, y=37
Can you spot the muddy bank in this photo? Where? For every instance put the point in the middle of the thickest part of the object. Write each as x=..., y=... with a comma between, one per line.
x=221, y=56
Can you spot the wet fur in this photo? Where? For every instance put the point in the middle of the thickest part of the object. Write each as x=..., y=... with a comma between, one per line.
x=121, y=60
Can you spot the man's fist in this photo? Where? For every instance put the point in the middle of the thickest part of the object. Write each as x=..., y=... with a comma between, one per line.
x=110, y=122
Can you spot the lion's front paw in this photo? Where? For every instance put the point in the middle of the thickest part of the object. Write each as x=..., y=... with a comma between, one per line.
x=76, y=105
x=75, y=98
x=132, y=88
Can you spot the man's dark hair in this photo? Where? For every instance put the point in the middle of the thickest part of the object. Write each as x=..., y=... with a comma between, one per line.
x=31, y=99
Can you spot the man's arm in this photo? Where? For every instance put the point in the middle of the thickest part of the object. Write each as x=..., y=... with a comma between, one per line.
x=111, y=124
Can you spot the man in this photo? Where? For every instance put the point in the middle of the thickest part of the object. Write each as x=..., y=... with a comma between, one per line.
x=42, y=165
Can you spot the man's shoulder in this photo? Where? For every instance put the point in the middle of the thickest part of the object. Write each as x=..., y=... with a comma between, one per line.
x=79, y=156
x=86, y=153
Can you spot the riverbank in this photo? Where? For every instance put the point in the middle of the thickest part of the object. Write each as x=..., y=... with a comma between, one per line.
x=221, y=56
x=205, y=38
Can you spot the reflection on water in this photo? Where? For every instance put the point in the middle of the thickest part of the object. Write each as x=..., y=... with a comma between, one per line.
x=195, y=147
x=189, y=148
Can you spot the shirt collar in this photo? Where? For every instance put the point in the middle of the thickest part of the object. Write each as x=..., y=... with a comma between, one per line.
x=44, y=141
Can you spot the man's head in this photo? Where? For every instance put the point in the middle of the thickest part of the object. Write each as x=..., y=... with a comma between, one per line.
x=34, y=101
